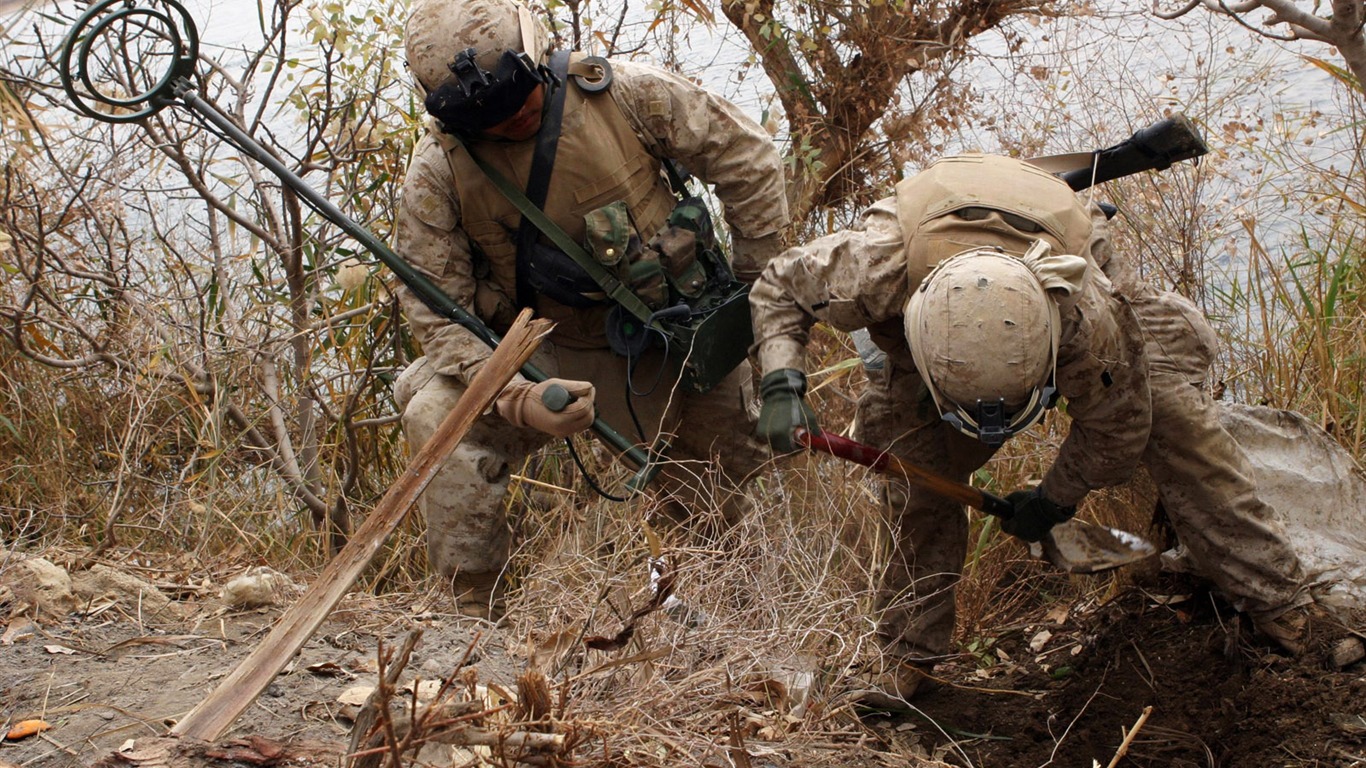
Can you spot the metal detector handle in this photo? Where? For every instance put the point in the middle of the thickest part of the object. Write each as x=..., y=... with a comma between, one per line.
x=556, y=398
x=430, y=295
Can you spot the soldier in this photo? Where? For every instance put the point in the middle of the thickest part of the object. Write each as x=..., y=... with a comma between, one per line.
x=974, y=355
x=585, y=142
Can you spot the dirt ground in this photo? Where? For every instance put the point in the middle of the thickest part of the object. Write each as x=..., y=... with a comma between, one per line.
x=1217, y=698
x=103, y=680
x=104, y=676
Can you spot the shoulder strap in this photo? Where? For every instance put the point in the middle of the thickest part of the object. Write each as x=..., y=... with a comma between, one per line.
x=542, y=164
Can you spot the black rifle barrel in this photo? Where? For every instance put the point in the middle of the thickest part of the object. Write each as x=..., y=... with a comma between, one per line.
x=1153, y=148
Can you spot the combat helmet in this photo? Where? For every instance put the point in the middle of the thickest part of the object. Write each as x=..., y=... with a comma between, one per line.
x=984, y=329
x=476, y=61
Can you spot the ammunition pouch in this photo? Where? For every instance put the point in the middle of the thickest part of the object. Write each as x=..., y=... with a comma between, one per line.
x=697, y=310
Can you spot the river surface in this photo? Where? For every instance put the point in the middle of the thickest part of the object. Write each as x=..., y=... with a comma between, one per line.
x=1082, y=82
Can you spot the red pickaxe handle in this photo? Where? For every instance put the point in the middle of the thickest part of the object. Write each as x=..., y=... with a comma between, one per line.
x=882, y=461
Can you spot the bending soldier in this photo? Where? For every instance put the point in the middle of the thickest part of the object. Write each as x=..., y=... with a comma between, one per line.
x=583, y=141
x=975, y=354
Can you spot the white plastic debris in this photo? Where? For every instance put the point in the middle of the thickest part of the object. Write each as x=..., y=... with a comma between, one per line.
x=258, y=587
x=1317, y=488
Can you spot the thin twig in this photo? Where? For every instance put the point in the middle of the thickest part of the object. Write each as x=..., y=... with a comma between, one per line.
x=1129, y=737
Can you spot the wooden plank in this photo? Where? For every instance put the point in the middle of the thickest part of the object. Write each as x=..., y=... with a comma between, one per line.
x=216, y=713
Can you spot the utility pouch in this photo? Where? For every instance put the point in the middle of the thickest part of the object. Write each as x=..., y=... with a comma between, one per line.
x=554, y=274
x=692, y=260
x=699, y=313
x=677, y=249
x=615, y=243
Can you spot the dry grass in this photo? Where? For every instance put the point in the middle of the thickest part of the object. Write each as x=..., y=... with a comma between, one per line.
x=772, y=614
x=777, y=610
x=775, y=614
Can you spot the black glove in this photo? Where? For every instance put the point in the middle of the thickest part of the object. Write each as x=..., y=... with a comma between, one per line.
x=784, y=409
x=1034, y=515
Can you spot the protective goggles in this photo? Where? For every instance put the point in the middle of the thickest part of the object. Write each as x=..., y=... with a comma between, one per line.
x=474, y=99
x=992, y=425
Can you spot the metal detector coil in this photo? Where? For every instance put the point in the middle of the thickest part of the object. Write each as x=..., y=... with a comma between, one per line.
x=123, y=62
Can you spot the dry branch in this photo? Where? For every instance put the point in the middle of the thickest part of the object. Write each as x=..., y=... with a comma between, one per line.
x=216, y=713
x=1129, y=737
x=370, y=711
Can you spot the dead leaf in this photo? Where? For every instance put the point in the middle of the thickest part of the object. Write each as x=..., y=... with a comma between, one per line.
x=1058, y=614
x=1040, y=640
x=1351, y=724
x=327, y=669
x=769, y=692
x=59, y=649
x=550, y=649
x=26, y=728
x=19, y=629
x=355, y=695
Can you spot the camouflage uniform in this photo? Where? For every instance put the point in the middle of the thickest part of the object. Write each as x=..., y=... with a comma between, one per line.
x=459, y=231
x=1203, y=478
x=1125, y=405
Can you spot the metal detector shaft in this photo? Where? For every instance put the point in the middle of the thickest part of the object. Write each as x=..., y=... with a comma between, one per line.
x=430, y=295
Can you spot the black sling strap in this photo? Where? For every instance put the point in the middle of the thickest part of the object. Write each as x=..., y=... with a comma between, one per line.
x=538, y=180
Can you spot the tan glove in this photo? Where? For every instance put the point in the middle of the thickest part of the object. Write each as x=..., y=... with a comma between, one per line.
x=521, y=404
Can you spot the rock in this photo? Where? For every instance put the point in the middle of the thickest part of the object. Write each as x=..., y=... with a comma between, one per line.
x=1346, y=651
x=1351, y=724
x=42, y=589
x=103, y=583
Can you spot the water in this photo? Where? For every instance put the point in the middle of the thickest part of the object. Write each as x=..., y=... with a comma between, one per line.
x=1082, y=82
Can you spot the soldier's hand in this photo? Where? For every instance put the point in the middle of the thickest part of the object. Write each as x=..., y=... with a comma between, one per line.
x=784, y=395
x=1035, y=515
x=524, y=404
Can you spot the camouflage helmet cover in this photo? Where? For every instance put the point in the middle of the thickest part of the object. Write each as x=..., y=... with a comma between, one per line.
x=984, y=330
x=437, y=30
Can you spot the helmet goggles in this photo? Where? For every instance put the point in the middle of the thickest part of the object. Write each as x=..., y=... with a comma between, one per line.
x=474, y=99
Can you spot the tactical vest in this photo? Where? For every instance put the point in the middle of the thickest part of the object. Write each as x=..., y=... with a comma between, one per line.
x=977, y=200
x=600, y=161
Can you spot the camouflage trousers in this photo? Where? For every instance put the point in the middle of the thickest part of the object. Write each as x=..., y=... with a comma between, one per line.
x=1202, y=478
x=465, y=506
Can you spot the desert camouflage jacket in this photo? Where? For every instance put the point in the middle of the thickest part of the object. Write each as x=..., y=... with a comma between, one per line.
x=859, y=278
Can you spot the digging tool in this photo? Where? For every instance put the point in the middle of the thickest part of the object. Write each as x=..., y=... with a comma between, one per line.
x=1075, y=546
